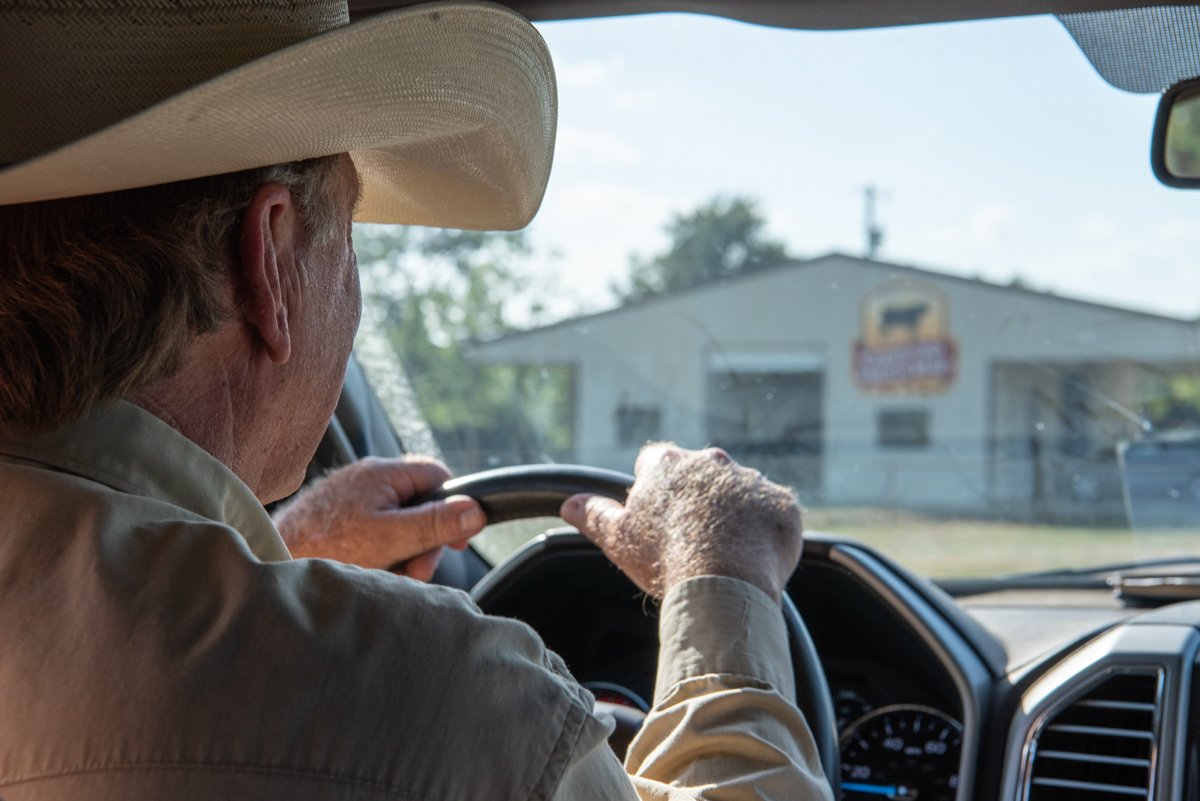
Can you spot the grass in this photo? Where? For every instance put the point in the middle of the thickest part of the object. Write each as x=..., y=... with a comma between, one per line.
x=941, y=548
x=962, y=548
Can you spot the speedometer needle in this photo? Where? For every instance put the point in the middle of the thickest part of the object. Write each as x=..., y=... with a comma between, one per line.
x=889, y=790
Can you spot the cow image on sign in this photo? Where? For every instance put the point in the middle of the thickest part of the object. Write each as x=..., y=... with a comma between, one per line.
x=908, y=318
x=905, y=345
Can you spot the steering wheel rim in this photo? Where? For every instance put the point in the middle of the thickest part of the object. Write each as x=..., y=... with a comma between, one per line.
x=513, y=493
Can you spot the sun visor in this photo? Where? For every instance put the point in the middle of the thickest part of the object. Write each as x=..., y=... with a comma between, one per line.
x=1140, y=49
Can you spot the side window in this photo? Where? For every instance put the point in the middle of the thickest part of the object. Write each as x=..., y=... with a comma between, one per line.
x=903, y=428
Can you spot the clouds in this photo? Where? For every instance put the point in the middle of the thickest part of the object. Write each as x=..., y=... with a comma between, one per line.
x=597, y=225
x=1147, y=265
x=598, y=147
x=588, y=73
x=1102, y=254
x=635, y=100
x=992, y=221
x=990, y=166
x=606, y=82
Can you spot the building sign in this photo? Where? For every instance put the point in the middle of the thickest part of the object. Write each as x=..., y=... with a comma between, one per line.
x=905, y=343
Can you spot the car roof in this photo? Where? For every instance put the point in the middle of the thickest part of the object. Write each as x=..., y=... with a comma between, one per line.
x=805, y=14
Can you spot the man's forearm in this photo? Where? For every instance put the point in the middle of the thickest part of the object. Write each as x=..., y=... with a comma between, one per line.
x=724, y=719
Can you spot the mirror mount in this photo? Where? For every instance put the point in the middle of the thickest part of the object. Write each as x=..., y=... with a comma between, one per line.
x=1175, y=145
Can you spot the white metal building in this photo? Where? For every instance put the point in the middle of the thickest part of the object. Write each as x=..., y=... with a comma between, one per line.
x=865, y=383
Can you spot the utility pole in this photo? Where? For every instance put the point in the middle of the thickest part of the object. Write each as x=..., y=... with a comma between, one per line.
x=873, y=231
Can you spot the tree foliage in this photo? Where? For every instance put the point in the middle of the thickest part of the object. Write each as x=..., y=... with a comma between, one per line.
x=440, y=291
x=1173, y=402
x=719, y=239
x=1183, y=138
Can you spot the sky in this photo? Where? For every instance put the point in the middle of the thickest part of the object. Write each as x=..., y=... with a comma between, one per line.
x=997, y=149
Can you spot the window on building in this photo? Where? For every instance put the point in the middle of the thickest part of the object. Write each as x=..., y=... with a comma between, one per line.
x=637, y=425
x=904, y=428
x=771, y=421
x=765, y=413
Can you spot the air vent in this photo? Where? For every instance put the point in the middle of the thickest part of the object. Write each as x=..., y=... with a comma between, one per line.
x=1101, y=746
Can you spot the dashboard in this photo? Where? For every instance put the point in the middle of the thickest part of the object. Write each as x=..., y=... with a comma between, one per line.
x=908, y=686
x=1112, y=717
x=934, y=699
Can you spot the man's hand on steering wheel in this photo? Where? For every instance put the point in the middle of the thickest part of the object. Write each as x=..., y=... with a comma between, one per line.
x=694, y=513
x=689, y=513
x=353, y=515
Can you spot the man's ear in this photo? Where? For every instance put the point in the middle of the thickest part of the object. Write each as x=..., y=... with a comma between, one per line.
x=269, y=250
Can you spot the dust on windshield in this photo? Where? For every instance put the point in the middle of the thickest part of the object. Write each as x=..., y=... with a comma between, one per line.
x=923, y=276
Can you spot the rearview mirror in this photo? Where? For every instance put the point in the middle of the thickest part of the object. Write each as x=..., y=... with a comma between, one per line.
x=1175, y=153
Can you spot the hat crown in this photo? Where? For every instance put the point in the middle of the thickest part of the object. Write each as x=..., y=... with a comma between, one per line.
x=71, y=67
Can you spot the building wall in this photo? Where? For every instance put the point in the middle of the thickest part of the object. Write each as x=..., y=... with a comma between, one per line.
x=659, y=354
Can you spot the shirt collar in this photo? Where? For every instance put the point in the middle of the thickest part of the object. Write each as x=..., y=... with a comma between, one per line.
x=128, y=449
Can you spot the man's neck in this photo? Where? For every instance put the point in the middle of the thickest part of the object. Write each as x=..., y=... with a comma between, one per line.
x=212, y=400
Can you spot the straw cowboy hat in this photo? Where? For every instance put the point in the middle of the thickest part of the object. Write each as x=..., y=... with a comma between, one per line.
x=448, y=109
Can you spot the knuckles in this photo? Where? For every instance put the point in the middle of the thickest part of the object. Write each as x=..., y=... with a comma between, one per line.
x=667, y=457
x=719, y=456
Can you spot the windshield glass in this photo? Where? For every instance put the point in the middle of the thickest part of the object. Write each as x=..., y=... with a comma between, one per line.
x=923, y=275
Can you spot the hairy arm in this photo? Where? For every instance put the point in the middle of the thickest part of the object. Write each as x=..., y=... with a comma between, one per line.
x=717, y=543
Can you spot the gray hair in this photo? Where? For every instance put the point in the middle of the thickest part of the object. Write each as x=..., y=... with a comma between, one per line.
x=100, y=295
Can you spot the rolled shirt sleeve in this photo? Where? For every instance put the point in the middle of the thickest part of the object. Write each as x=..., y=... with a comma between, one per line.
x=724, y=724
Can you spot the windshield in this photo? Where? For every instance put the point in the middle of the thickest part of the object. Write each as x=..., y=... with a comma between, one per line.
x=924, y=276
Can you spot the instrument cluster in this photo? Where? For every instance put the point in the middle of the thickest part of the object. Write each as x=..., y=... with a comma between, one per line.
x=893, y=742
x=904, y=752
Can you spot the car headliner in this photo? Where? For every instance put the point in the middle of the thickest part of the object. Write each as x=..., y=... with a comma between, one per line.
x=806, y=14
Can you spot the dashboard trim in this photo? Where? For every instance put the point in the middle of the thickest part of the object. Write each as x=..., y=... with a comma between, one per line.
x=971, y=677
x=1029, y=750
x=1167, y=649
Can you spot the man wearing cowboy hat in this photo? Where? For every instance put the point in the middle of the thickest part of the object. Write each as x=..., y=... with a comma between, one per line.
x=178, y=299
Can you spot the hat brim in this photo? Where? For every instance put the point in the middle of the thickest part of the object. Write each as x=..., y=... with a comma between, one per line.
x=448, y=110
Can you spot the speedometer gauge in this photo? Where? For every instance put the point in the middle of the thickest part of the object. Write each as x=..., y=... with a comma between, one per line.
x=901, y=752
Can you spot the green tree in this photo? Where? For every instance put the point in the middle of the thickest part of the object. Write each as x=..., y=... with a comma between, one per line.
x=440, y=291
x=721, y=238
x=1173, y=401
x=1183, y=138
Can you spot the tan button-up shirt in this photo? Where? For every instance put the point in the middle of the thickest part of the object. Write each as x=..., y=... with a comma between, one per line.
x=157, y=642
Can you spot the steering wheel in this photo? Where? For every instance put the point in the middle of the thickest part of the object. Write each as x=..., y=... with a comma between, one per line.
x=513, y=493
